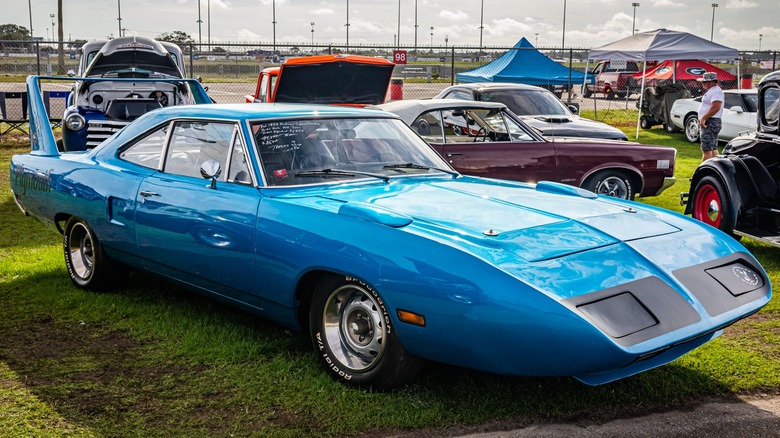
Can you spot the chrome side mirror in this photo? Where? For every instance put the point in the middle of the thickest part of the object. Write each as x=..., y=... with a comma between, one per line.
x=211, y=169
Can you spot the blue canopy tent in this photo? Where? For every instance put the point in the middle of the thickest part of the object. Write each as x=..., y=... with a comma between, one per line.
x=523, y=65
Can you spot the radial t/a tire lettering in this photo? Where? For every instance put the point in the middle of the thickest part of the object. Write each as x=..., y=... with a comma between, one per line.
x=354, y=338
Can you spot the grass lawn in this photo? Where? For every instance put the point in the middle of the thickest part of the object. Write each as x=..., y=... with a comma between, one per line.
x=153, y=360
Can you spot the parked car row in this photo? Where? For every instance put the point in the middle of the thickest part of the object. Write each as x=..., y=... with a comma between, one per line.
x=343, y=223
x=392, y=234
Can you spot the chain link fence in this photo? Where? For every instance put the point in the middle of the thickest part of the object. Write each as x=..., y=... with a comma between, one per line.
x=230, y=70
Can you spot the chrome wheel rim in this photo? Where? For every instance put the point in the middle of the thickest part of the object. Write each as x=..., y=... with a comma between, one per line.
x=692, y=129
x=354, y=327
x=613, y=186
x=82, y=252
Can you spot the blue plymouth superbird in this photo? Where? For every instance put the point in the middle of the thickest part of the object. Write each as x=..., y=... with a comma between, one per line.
x=344, y=223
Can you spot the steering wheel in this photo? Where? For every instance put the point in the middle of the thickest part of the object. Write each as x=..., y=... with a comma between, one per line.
x=481, y=135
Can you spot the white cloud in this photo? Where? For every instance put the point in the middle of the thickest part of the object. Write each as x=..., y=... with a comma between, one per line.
x=741, y=4
x=668, y=4
x=322, y=11
x=454, y=15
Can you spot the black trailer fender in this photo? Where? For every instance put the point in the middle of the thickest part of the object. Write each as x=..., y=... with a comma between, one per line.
x=730, y=174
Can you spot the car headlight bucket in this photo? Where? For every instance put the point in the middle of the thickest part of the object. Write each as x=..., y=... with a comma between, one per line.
x=75, y=122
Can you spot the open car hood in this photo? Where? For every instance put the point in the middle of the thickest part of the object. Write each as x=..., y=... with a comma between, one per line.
x=136, y=58
x=339, y=79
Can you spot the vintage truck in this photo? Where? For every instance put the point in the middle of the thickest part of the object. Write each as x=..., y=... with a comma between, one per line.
x=328, y=79
x=614, y=79
x=102, y=102
x=738, y=191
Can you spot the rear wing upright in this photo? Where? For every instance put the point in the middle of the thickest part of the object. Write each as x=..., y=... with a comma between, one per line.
x=41, y=134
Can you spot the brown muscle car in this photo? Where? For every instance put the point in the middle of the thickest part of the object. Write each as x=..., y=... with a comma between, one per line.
x=485, y=139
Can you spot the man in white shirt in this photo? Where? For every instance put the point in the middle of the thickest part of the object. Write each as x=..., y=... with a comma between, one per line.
x=710, y=111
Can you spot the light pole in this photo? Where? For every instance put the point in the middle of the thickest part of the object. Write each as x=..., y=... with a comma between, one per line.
x=712, y=29
x=312, y=36
x=481, y=24
x=415, y=26
x=347, y=25
x=633, y=23
x=536, y=39
x=431, y=39
x=52, y=25
x=29, y=7
x=563, y=40
x=273, y=17
x=119, y=15
x=208, y=20
x=398, y=33
x=200, y=39
x=759, y=41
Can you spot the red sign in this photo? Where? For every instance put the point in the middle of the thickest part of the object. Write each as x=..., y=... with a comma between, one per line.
x=399, y=56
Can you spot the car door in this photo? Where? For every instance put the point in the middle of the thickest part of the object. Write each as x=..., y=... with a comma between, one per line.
x=194, y=229
x=490, y=143
x=737, y=116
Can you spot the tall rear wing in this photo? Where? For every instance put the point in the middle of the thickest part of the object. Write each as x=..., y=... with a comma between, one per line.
x=41, y=134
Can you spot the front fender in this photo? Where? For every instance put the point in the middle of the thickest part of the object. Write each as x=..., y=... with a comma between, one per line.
x=725, y=170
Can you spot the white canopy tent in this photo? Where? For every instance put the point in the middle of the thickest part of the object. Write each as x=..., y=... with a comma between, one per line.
x=660, y=45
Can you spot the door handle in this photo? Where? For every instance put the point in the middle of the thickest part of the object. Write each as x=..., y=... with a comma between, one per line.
x=146, y=194
x=452, y=154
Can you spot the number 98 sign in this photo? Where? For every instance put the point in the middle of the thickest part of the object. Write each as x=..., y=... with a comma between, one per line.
x=399, y=56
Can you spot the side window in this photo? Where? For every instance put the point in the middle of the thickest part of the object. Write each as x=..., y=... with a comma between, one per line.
x=239, y=164
x=263, y=89
x=428, y=125
x=193, y=143
x=147, y=151
x=731, y=101
x=459, y=94
x=271, y=86
x=772, y=106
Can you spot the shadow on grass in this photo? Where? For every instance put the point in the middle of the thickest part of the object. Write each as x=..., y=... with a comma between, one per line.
x=162, y=360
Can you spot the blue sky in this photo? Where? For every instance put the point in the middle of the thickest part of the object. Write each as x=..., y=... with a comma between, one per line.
x=589, y=23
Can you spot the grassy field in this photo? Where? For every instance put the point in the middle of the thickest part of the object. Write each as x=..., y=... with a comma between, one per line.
x=152, y=360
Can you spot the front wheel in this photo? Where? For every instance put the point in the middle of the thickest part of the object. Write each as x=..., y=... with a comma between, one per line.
x=644, y=123
x=611, y=183
x=711, y=204
x=692, y=129
x=88, y=266
x=670, y=128
x=354, y=338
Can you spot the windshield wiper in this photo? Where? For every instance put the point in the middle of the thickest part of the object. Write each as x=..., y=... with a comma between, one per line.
x=420, y=166
x=337, y=172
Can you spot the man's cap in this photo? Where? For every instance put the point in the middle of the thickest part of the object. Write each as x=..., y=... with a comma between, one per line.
x=709, y=76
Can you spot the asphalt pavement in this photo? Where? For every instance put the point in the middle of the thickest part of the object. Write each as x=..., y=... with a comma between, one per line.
x=754, y=417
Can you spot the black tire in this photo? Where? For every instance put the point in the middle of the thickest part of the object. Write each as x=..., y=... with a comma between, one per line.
x=712, y=205
x=87, y=264
x=587, y=93
x=668, y=127
x=611, y=182
x=60, y=145
x=369, y=354
x=611, y=95
x=692, y=129
x=644, y=123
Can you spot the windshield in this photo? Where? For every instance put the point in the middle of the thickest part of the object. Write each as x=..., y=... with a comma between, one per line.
x=528, y=102
x=314, y=151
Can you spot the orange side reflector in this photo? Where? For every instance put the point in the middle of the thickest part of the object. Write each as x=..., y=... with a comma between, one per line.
x=411, y=318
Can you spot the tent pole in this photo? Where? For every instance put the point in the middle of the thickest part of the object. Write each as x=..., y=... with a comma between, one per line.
x=739, y=76
x=641, y=97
